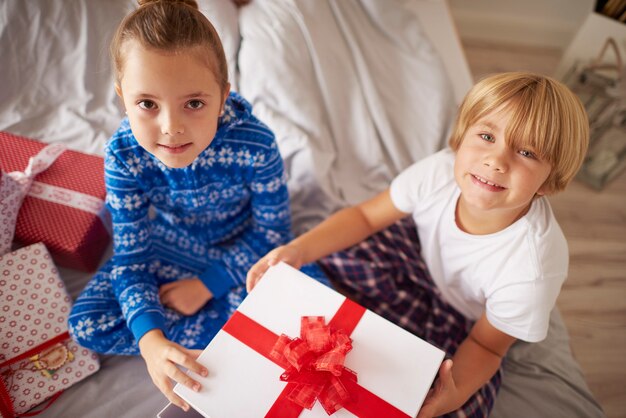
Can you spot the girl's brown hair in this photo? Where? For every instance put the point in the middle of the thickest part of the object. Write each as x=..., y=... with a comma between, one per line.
x=545, y=117
x=170, y=26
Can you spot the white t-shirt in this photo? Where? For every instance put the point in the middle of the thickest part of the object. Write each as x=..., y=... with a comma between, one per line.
x=514, y=274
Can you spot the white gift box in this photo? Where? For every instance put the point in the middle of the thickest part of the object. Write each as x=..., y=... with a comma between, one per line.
x=393, y=366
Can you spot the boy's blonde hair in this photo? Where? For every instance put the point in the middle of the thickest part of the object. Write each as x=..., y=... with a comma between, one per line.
x=545, y=117
x=170, y=26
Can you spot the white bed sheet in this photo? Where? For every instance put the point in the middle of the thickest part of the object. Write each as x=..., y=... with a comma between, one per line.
x=365, y=96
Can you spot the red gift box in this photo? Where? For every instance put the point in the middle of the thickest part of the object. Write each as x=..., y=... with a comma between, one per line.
x=76, y=238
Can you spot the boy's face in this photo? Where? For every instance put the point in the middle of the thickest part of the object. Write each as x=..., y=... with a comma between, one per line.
x=497, y=183
x=173, y=103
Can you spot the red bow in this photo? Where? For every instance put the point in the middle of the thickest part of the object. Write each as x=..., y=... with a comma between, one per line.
x=314, y=363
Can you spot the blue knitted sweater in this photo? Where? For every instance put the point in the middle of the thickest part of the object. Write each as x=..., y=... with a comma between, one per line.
x=217, y=216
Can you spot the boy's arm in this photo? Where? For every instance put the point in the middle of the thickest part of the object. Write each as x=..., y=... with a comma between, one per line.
x=342, y=230
x=477, y=359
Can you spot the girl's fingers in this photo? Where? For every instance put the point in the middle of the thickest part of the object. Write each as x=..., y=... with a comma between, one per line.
x=194, y=353
x=183, y=378
x=190, y=363
x=167, y=286
x=178, y=401
x=168, y=390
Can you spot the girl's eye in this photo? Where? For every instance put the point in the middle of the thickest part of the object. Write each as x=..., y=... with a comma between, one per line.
x=195, y=104
x=527, y=154
x=487, y=137
x=147, y=105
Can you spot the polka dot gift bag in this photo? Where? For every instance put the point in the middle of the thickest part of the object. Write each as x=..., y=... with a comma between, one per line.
x=38, y=359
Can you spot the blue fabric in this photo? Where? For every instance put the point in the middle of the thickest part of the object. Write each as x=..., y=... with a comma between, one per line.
x=212, y=220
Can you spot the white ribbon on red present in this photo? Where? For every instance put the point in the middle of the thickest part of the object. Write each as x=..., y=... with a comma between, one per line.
x=27, y=186
x=14, y=187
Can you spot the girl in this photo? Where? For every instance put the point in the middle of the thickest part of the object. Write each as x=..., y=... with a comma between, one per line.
x=495, y=254
x=196, y=190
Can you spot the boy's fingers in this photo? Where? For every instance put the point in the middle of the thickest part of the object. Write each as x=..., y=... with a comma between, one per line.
x=254, y=274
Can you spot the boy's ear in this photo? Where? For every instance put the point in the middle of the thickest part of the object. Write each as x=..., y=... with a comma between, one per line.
x=544, y=190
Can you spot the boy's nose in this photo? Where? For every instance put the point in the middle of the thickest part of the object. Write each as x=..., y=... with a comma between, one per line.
x=497, y=161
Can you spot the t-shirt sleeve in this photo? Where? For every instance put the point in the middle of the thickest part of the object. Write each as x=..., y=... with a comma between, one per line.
x=400, y=190
x=422, y=178
x=522, y=309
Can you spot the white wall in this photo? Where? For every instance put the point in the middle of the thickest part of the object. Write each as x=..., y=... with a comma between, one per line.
x=550, y=23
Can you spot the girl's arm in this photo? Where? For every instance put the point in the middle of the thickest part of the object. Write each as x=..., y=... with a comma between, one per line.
x=342, y=230
x=477, y=359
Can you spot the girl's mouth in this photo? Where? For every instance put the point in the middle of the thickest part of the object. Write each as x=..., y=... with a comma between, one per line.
x=174, y=148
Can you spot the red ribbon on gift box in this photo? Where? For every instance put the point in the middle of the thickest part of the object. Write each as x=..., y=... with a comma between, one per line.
x=6, y=405
x=314, y=362
x=359, y=401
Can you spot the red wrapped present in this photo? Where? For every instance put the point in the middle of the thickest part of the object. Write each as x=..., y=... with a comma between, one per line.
x=64, y=207
x=38, y=359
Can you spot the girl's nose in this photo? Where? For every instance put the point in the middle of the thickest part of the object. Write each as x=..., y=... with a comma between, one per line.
x=171, y=125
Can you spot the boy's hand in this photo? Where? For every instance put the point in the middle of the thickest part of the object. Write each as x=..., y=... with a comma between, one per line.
x=186, y=296
x=441, y=398
x=163, y=357
x=289, y=254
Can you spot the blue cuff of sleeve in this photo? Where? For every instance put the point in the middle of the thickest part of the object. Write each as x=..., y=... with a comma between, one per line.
x=145, y=322
x=217, y=279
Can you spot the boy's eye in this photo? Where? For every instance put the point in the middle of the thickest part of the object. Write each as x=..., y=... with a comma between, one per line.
x=527, y=154
x=147, y=105
x=195, y=104
x=487, y=137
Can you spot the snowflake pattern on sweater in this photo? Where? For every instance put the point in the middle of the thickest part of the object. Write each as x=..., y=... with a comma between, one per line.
x=216, y=217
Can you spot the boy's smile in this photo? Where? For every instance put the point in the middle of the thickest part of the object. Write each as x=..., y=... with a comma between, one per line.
x=481, y=182
x=173, y=102
x=497, y=182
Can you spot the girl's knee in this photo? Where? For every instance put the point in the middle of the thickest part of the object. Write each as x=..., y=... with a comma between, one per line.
x=98, y=331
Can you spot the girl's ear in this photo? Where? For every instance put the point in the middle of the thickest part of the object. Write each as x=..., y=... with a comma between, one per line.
x=118, y=91
x=224, y=97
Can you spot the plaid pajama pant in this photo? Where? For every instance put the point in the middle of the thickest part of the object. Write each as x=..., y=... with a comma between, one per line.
x=387, y=275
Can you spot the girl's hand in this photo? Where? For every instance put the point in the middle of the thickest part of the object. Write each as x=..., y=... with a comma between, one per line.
x=442, y=398
x=186, y=296
x=163, y=357
x=289, y=254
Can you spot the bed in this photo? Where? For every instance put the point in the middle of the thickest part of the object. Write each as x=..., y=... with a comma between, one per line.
x=354, y=90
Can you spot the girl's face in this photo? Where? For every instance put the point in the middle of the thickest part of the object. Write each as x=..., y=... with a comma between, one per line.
x=173, y=102
x=497, y=182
